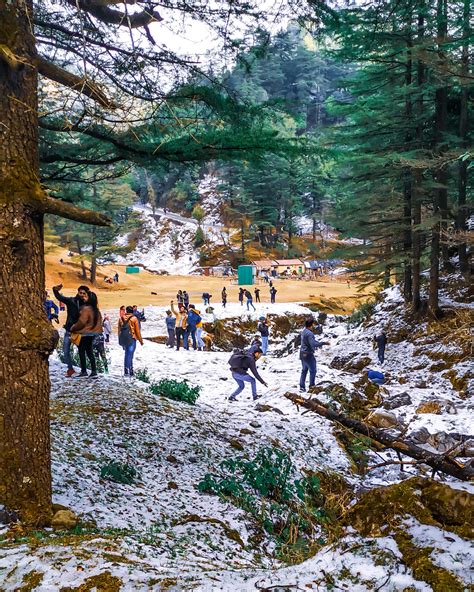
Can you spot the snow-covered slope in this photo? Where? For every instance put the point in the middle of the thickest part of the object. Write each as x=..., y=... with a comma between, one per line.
x=146, y=536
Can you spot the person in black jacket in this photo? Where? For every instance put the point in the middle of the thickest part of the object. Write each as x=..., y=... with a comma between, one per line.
x=72, y=304
x=240, y=363
x=264, y=332
x=380, y=341
x=309, y=344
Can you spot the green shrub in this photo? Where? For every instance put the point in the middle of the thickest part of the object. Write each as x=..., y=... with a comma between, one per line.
x=362, y=313
x=142, y=374
x=119, y=472
x=176, y=390
x=286, y=504
x=199, y=237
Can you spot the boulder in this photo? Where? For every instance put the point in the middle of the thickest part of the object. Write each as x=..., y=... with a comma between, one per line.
x=339, y=362
x=382, y=419
x=398, y=401
x=352, y=362
x=64, y=520
x=420, y=436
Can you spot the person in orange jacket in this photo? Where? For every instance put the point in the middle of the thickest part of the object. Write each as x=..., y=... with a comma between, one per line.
x=129, y=333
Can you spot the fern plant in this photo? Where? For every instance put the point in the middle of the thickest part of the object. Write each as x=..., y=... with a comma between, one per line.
x=119, y=472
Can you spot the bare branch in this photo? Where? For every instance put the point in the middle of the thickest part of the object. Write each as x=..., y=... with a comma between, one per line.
x=101, y=11
x=78, y=83
x=50, y=205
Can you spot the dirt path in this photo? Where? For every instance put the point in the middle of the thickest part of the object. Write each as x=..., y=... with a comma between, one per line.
x=334, y=295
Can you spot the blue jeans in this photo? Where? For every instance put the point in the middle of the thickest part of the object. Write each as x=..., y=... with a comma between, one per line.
x=241, y=379
x=67, y=350
x=190, y=331
x=250, y=303
x=308, y=362
x=129, y=351
x=264, y=344
x=200, y=342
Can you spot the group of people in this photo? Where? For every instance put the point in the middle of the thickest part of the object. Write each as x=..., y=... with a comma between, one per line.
x=84, y=327
x=185, y=322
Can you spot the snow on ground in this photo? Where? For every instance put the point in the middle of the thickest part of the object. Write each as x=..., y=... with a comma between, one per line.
x=138, y=537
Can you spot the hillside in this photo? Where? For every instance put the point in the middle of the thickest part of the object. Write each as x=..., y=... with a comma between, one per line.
x=373, y=526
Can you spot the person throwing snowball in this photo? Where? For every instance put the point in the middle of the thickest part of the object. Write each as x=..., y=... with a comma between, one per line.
x=240, y=363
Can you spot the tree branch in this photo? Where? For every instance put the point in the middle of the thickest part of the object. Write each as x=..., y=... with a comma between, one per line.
x=102, y=12
x=438, y=462
x=78, y=83
x=83, y=161
x=51, y=205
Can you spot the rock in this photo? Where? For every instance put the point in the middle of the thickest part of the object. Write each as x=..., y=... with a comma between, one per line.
x=237, y=444
x=429, y=407
x=421, y=384
x=172, y=485
x=64, y=520
x=339, y=362
x=398, y=401
x=246, y=431
x=223, y=378
x=263, y=408
x=382, y=419
x=443, y=442
x=468, y=449
x=255, y=424
x=420, y=436
x=172, y=459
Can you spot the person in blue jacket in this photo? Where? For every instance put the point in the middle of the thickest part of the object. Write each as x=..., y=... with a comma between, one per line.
x=51, y=308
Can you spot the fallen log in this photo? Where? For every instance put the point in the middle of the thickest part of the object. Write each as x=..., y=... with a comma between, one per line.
x=438, y=462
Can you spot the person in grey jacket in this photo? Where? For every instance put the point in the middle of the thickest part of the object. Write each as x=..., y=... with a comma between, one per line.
x=240, y=363
x=171, y=328
x=309, y=344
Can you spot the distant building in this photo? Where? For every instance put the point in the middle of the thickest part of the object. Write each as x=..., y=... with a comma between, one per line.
x=290, y=267
x=264, y=266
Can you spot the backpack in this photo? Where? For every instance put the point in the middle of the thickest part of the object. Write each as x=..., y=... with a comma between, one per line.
x=239, y=360
x=193, y=318
x=125, y=336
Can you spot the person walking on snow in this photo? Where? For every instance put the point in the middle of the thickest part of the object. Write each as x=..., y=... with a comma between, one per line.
x=107, y=327
x=249, y=297
x=224, y=297
x=129, y=333
x=308, y=361
x=241, y=296
x=88, y=325
x=257, y=294
x=171, y=328
x=181, y=321
x=380, y=341
x=273, y=292
x=72, y=304
x=264, y=332
x=240, y=363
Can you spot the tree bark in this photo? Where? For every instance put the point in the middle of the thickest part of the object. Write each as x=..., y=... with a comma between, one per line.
x=463, y=213
x=441, y=463
x=27, y=338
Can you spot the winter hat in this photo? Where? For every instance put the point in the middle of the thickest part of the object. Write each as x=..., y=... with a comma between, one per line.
x=261, y=318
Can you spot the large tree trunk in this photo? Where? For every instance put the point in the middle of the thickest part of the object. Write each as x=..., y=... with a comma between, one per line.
x=27, y=338
x=462, y=215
